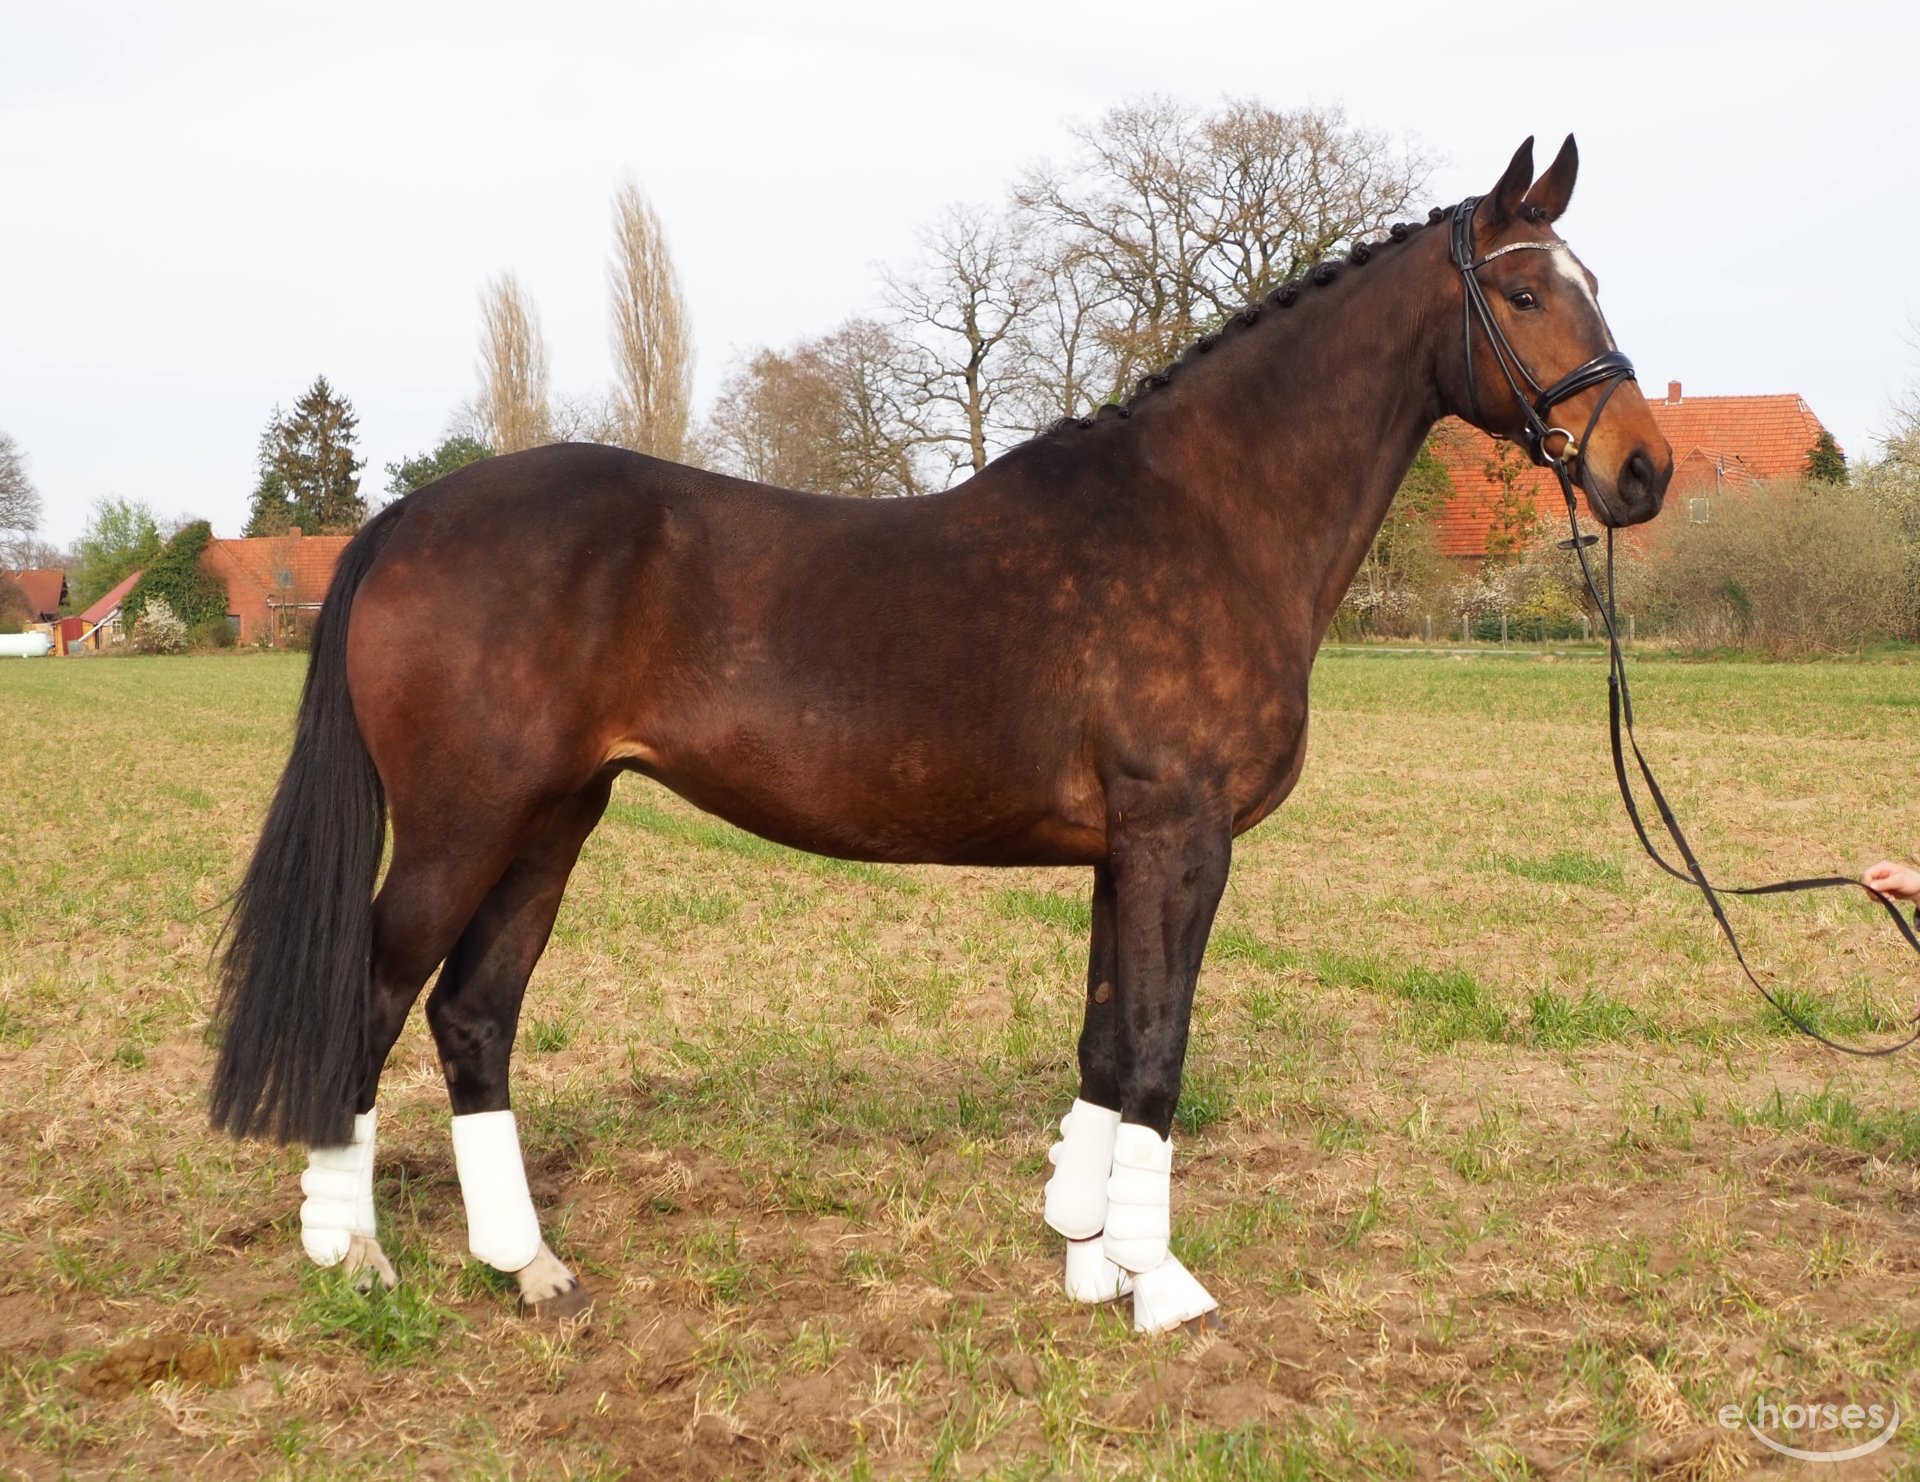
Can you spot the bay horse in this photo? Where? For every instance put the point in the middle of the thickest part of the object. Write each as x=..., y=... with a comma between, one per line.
x=1094, y=653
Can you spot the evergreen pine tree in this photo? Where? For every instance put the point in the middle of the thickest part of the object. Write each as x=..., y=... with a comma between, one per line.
x=1826, y=464
x=308, y=474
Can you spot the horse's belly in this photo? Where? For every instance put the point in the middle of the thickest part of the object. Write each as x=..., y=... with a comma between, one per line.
x=907, y=803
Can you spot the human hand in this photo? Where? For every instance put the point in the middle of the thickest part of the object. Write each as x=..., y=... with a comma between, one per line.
x=1899, y=881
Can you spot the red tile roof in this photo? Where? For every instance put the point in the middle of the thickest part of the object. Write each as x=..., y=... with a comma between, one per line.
x=44, y=590
x=289, y=569
x=99, y=610
x=1716, y=440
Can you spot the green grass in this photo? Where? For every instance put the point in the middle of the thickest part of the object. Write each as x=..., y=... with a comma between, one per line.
x=1478, y=1123
x=389, y=1329
x=1836, y=1117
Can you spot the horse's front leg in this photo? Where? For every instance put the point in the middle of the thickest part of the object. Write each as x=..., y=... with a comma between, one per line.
x=1076, y=1197
x=1169, y=863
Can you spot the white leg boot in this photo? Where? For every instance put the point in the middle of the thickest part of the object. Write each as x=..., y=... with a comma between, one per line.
x=1077, y=1200
x=1139, y=1222
x=502, y=1228
x=336, y=1218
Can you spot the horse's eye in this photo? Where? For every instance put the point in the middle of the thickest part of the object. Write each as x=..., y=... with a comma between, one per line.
x=1522, y=299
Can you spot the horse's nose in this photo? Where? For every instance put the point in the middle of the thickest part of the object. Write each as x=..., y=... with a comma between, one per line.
x=1642, y=483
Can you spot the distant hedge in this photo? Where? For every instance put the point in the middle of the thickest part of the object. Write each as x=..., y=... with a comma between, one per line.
x=177, y=576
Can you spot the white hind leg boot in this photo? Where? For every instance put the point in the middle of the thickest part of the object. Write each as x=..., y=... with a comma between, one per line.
x=1077, y=1200
x=1139, y=1222
x=502, y=1228
x=336, y=1218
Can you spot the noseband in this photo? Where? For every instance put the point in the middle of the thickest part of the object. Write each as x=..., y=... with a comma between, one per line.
x=1536, y=402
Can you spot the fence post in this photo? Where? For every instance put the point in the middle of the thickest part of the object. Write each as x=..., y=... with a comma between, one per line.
x=1629, y=627
x=1586, y=627
x=1429, y=627
x=1503, y=630
x=1464, y=636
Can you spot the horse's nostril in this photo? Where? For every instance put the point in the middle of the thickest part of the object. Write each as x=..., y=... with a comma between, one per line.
x=1637, y=478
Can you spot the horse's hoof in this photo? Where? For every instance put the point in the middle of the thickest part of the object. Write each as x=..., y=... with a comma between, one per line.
x=1206, y=1322
x=569, y=1301
x=1168, y=1297
x=1091, y=1277
x=549, y=1289
x=366, y=1263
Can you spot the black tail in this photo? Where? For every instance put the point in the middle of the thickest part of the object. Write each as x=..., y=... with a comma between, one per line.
x=295, y=981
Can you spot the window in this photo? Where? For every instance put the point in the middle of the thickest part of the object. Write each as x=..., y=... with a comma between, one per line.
x=1697, y=510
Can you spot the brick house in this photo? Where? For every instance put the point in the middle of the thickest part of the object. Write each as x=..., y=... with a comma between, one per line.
x=275, y=583
x=1719, y=442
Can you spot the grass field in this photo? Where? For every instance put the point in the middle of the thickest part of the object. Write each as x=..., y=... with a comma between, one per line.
x=1497, y=1168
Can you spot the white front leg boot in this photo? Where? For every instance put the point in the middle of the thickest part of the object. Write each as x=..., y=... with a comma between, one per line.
x=1139, y=1223
x=1077, y=1200
x=336, y=1218
x=502, y=1228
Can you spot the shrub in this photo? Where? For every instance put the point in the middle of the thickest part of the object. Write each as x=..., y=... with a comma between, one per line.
x=175, y=575
x=159, y=630
x=215, y=632
x=1792, y=567
x=14, y=611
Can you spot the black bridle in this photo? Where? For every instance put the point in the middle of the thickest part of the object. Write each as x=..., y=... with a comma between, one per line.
x=1611, y=368
x=1536, y=402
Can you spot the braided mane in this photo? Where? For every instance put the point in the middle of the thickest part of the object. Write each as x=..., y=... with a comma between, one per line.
x=1283, y=297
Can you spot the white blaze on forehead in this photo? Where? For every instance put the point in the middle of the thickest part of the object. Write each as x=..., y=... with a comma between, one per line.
x=1568, y=267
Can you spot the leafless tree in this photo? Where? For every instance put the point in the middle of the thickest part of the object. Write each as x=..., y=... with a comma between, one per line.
x=964, y=304
x=1182, y=217
x=586, y=419
x=831, y=414
x=512, y=403
x=1062, y=367
x=19, y=507
x=652, y=335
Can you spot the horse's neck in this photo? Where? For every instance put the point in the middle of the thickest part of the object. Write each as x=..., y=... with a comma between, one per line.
x=1295, y=434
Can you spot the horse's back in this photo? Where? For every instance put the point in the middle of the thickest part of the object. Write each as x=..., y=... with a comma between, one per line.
x=841, y=674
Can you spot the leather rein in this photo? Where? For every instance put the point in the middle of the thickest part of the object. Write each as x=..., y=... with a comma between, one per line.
x=1611, y=368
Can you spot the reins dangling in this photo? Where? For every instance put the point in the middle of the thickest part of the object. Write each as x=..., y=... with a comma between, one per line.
x=1612, y=368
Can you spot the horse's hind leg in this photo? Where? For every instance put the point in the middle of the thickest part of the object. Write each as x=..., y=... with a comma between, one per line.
x=424, y=902
x=474, y=1011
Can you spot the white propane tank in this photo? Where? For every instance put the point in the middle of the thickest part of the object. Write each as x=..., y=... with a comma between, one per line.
x=24, y=645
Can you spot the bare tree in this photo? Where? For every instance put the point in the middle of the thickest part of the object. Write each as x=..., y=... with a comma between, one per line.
x=512, y=404
x=964, y=304
x=1181, y=218
x=831, y=414
x=586, y=419
x=19, y=507
x=652, y=335
x=1062, y=367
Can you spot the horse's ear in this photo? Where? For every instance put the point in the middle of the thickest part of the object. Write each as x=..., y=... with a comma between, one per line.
x=1502, y=203
x=1553, y=190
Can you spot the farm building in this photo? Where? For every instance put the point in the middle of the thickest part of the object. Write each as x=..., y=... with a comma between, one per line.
x=44, y=590
x=1718, y=442
x=275, y=583
x=99, y=626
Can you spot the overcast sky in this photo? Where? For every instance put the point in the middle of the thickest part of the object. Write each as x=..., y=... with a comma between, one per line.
x=204, y=205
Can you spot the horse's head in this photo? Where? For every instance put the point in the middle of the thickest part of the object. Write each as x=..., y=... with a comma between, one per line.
x=1531, y=358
